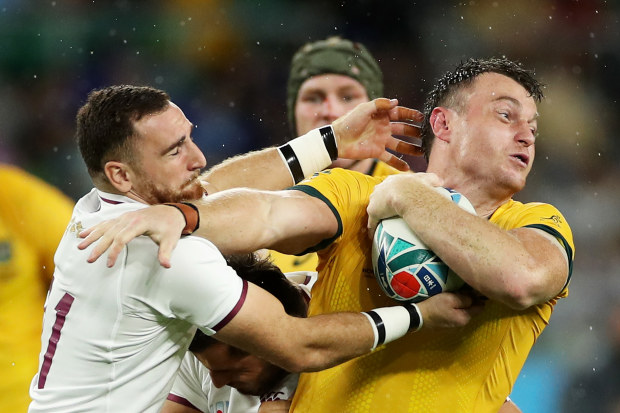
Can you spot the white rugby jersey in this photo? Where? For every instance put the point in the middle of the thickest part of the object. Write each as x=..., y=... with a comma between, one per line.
x=193, y=386
x=113, y=338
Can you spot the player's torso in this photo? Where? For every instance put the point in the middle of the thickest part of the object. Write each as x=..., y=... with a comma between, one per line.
x=104, y=347
x=415, y=373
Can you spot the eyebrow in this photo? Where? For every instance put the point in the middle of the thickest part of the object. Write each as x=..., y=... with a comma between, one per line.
x=174, y=145
x=516, y=103
x=178, y=142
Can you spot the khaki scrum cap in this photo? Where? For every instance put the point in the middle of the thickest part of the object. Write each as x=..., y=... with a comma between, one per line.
x=333, y=55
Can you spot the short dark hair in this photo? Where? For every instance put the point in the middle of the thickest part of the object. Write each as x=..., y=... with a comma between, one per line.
x=263, y=273
x=105, y=123
x=451, y=83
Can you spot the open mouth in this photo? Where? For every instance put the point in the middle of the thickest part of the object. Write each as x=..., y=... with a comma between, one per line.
x=522, y=158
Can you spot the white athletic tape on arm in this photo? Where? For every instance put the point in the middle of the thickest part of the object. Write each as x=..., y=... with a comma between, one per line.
x=309, y=153
x=390, y=323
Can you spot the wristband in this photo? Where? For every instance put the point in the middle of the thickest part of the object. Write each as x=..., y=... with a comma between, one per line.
x=390, y=323
x=190, y=215
x=309, y=153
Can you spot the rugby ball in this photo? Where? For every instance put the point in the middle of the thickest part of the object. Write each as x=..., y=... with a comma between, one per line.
x=404, y=267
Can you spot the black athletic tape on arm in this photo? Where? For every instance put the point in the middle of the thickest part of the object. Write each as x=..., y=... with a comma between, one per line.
x=416, y=317
x=379, y=325
x=329, y=139
x=293, y=163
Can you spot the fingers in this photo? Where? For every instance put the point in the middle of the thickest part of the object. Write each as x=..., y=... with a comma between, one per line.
x=383, y=104
x=405, y=129
x=394, y=161
x=404, y=114
x=372, y=226
x=403, y=147
x=165, y=250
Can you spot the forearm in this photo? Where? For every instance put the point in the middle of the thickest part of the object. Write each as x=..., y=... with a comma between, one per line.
x=276, y=168
x=244, y=220
x=488, y=258
x=262, y=169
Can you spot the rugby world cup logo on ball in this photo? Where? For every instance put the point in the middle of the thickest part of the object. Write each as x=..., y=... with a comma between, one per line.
x=406, y=269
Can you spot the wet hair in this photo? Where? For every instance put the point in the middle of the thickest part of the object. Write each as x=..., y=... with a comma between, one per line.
x=448, y=88
x=265, y=274
x=105, y=124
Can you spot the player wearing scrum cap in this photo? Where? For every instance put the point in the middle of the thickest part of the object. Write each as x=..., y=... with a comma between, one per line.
x=327, y=79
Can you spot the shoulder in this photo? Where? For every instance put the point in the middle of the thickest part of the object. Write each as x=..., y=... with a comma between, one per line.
x=538, y=215
x=339, y=186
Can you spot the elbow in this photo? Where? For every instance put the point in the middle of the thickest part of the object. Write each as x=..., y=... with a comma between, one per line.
x=524, y=291
x=301, y=362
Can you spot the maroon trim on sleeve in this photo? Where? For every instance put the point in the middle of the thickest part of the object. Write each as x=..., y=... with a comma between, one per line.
x=110, y=201
x=235, y=310
x=182, y=401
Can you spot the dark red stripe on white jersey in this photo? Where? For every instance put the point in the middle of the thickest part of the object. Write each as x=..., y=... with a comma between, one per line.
x=110, y=201
x=181, y=400
x=236, y=309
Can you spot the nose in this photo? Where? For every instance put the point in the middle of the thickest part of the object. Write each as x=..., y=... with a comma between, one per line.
x=197, y=159
x=220, y=379
x=332, y=108
x=524, y=134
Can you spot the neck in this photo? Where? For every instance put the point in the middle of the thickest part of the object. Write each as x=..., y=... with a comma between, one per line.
x=486, y=197
x=136, y=197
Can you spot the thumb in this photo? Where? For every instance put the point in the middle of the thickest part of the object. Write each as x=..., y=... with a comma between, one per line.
x=165, y=251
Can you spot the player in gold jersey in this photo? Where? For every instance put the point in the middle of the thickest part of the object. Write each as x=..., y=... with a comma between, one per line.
x=33, y=217
x=328, y=78
x=479, y=135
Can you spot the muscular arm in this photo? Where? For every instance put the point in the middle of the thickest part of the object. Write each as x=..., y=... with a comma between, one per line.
x=244, y=220
x=310, y=344
x=520, y=267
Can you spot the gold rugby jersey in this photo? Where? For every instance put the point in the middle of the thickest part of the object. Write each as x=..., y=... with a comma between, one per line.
x=469, y=369
x=33, y=218
x=309, y=261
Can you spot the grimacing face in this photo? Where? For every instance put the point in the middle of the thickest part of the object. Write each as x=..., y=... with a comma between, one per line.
x=229, y=366
x=497, y=125
x=168, y=161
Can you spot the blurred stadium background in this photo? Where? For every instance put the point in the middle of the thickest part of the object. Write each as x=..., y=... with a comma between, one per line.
x=226, y=63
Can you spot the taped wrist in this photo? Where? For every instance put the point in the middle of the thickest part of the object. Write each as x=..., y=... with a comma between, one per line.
x=190, y=214
x=390, y=323
x=309, y=153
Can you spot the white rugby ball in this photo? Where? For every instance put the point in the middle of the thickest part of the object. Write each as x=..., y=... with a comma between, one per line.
x=406, y=269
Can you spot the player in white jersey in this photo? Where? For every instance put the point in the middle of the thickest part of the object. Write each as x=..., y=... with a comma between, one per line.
x=115, y=333
x=114, y=336
x=215, y=377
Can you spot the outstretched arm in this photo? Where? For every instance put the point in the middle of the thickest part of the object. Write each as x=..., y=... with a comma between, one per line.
x=365, y=132
x=237, y=221
x=315, y=343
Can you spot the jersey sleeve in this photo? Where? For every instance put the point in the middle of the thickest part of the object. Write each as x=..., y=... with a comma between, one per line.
x=189, y=384
x=541, y=216
x=345, y=192
x=200, y=287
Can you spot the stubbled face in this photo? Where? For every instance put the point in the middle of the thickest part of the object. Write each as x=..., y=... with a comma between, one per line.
x=229, y=366
x=168, y=161
x=324, y=98
x=493, y=135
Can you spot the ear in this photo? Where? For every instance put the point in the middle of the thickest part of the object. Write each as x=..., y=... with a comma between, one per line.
x=119, y=175
x=440, y=123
